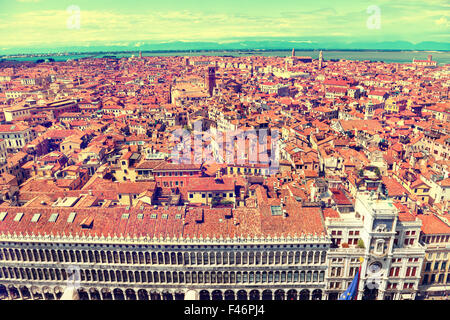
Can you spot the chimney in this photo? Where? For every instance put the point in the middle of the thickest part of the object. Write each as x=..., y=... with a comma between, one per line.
x=429, y=57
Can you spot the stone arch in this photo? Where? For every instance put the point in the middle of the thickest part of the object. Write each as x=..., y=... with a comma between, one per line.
x=179, y=295
x=304, y=294
x=130, y=294
x=58, y=292
x=36, y=293
x=267, y=295
x=216, y=295
x=106, y=294
x=154, y=295
x=291, y=295
x=254, y=295
x=279, y=295
x=317, y=294
x=3, y=292
x=242, y=295
x=25, y=292
x=94, y=294
x=118, y=294
x=82, y=294
x=204, y=295
x=229, y=295
x=143, y=294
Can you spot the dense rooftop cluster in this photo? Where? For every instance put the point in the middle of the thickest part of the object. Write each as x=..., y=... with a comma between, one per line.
x=95, y=137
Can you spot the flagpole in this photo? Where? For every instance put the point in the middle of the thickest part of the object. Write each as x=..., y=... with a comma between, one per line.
x=361, y=259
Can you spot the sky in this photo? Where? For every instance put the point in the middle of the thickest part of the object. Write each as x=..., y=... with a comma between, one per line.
x=53, y=23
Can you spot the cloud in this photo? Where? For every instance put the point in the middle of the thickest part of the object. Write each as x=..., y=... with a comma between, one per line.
x=37, y=27
x=442, y=21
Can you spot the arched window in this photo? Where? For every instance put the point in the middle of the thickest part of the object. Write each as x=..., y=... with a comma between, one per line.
x=251, y=257
x=238, y=258
x=291, y=257
x=271, y=257
x=245, y=257
x=303, y=257
x=277, y=257
x=103, y=257
x=166, y=258
x=284, y=257
x=323, y=257
x=231, y=257
x=225, y=258
x=316, y=257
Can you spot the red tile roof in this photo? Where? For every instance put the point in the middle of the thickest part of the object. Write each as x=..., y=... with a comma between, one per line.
x=433, y=225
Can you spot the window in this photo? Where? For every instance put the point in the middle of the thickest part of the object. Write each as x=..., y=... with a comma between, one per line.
x=3, y=215
x=53, y=217
x=36, y=217
x=18, y=216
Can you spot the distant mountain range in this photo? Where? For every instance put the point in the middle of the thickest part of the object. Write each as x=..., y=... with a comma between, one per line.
x=235, y=45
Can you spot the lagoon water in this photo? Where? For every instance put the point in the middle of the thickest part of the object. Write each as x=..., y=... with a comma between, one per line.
x=387, y=56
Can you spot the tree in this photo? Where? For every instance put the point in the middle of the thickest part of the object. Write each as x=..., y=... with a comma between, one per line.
x=360, y=244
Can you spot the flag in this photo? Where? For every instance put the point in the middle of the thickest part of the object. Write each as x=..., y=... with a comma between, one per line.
x=352, y=290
